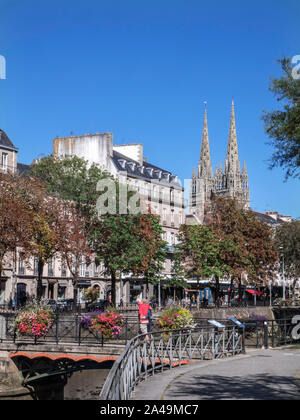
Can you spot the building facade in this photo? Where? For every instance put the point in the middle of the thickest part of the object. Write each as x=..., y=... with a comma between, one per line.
x=159, y=189
x=230, y=182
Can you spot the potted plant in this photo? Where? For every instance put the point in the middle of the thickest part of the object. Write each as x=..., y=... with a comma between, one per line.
x=176, y=318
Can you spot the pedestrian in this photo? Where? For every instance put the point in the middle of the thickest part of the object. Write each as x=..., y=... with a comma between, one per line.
x=143, y=317
x=149, y=316
x=170, y=301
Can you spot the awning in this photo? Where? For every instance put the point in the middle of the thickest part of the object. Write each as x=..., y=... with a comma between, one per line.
x=255, y=292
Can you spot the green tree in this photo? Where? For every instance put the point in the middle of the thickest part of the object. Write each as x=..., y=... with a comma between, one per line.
x=198, y=254
x=127, y=244
x=247, y=244
x=283, y=125
x=288, y=245
x=71, y=178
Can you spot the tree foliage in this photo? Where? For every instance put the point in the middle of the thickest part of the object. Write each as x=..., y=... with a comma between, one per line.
x=283, y=125
x=247, y=244
x=288, y=245
x=199, y=249
x=70, y=178
x=129, y=243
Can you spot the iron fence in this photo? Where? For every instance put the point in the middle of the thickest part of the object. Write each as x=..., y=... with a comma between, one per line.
x=67, y=330
x=71, y=329
x=146, y=355
x=264, y=333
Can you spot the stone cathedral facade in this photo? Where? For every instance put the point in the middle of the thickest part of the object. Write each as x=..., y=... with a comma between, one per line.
x=232, y=182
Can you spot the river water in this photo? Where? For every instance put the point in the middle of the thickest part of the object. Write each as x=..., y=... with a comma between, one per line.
x=85, y=385
x=81, y=385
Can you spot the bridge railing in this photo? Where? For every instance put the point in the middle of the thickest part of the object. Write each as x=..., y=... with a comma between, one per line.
x=68, y=330
x=146, y=355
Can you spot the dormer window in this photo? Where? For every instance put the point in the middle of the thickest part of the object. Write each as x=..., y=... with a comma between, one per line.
x=167, y=176
x=158, y=173
x=131, y=165
x=122, y=162
x=150, y=171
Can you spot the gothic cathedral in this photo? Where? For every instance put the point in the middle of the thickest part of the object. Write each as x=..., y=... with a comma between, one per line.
x=230, y=183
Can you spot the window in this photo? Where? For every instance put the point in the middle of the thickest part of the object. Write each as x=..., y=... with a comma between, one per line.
x=164, y=216
x=61, y=292
x=21, y=269
x=172, y=196
x=4, y=161
x=36, y=266
x=95, y=269
x=50, y=267
x=172, y=217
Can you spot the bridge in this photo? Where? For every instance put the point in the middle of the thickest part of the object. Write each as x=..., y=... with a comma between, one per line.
x=67, y=348
x=70, y=347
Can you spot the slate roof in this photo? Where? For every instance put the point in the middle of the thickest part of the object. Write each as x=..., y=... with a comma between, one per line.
x=268, y=219
x=5, y=141
x=149, y=172
x=23, y=169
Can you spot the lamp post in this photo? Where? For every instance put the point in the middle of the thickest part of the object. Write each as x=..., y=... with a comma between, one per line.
x=159, y=297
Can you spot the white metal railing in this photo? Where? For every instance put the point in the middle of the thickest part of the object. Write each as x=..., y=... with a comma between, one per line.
x=142, y=358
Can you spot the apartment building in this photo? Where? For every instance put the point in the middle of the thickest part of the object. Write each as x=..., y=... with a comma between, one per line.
x=159, y=188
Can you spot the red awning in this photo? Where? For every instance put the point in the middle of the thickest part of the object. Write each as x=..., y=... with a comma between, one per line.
x=257, y=292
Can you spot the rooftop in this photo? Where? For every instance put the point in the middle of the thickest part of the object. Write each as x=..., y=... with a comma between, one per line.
x=6, y=142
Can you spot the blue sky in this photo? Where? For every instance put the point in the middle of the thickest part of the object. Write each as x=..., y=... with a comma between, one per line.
x=142, y=70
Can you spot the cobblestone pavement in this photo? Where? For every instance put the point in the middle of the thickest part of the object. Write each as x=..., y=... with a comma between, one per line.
x=258, y=375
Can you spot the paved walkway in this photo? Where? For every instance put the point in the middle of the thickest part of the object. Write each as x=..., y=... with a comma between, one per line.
x=258, y=375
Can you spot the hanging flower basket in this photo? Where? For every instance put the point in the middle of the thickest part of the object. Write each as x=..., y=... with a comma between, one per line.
x=34, y=321
x=109, y=323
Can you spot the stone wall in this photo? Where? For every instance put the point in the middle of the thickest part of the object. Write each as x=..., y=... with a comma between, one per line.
x=10, y=380
x=222, y=313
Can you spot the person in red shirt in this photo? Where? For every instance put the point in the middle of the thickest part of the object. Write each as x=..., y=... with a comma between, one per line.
x=143, y=316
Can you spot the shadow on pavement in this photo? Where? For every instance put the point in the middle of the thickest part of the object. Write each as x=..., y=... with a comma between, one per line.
x=216, y=387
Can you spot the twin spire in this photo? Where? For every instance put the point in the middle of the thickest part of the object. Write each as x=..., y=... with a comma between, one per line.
x=232, y=163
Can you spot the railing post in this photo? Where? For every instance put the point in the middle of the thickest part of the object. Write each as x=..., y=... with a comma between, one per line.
x=180, y=355
x=213, y=343
x=78, y=325
x=57, y=326
x=126, y=330
x=266, y=335
x=244, y=341
x=171, y=350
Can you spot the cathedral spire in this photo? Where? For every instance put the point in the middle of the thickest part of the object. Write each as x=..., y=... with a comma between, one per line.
x=204, y=167
x=232, y=163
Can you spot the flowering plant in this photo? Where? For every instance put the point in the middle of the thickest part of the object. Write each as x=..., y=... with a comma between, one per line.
x=110, y=323
x=34, y=320
x=175, y=319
